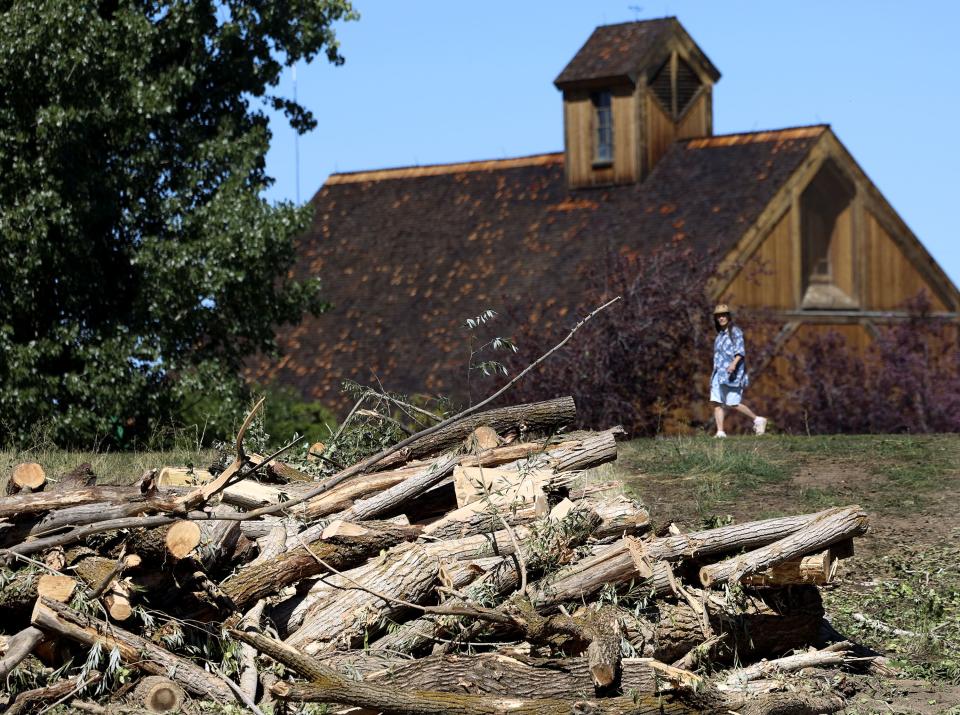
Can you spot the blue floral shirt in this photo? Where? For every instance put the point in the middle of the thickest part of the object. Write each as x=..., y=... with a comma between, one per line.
x=729, y=344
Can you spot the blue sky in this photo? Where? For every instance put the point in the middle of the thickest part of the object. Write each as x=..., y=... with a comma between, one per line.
x=436, y=81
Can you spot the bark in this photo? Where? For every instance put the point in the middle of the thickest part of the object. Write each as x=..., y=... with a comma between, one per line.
x=834, y=654
x=82, y=476
x=617, y=563
x=30, y=701
x=56, y=618
x=217, y=540
x=344, y=614
x=251, y=494
x=537, y=417
x=17, y=647
x=82, y=532
x=828, y=528
x=495, y=674
x=264, y=578
x=343, y=496
x=24, y=504
x=817, y=569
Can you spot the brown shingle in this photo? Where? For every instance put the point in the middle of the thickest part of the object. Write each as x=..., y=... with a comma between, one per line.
x=405, y=256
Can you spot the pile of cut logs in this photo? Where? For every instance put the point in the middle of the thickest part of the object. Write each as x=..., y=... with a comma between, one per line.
x=472, y=568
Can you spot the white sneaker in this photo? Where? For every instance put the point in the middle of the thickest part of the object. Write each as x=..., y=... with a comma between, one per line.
x=720, y=435
x=760, y=425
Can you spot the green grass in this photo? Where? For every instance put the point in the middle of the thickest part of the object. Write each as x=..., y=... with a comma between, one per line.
x=110, y=467
x=885, y=473
x=916, y=590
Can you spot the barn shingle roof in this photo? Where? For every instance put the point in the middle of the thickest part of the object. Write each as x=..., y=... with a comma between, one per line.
x=624, y=50
x=406, y=255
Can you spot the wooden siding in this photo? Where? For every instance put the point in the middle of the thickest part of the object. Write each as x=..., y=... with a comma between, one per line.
x=767, y=279
x=662, y=131
x=579, y=119
x=843, y=253
x=891, y=278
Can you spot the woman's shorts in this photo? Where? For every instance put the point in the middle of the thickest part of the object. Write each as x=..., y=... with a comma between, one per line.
x=726, y=395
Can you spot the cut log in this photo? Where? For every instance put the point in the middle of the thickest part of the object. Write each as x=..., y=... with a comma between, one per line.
x=117, y=601
x=827, y=528
x=344, y=614
x=481, y=439
x=32, y=701
x=217, y=540
x=498, y=486
x=58, y=588
x=249, y=679
x=56, y=618
x=26, y=477
x=23, y=504
x=389, y=499
x=17, y=647
x=182, y=477
x=496, y=674
x=343, y=496
x=618, y=563
x=817, y=569
x=182, y=538
x=264, y=578
x=536, y=417
x=157, y=694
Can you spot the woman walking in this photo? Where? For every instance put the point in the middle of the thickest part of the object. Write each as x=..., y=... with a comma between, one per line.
x=729, y=372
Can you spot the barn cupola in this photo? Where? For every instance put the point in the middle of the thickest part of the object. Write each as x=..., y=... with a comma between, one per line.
x=628, y=93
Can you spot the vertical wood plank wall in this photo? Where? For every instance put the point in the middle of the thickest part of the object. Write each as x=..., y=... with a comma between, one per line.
x=579, y=127
x=842, y=253
x=891, y=279
x=767, y=278
x=662, y=131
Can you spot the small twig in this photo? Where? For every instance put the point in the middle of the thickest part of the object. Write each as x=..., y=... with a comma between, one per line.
x=386, y=418
x=237, y=691
x=28, y=560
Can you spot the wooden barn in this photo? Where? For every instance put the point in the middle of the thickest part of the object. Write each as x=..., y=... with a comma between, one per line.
x=406, y=255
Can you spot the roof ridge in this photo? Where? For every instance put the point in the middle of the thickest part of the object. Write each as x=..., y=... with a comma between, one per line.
x=637, y=22
x=406, y=172
x=800, y=131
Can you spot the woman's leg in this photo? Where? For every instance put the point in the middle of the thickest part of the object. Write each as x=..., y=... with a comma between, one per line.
x=744, y=410
x=718, y=414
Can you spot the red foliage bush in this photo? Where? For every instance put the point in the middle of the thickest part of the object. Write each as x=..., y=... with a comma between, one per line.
x=642, y=357
x=907, y=381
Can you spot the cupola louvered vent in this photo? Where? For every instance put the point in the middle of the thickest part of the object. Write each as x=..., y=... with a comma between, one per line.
x=675, y=85
x=687, y=85
x=662, y=86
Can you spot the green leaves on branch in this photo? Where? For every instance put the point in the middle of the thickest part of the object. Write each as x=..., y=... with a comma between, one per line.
x=141, y=267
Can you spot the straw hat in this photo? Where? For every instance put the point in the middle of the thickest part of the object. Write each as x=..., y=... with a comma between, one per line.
x=722, y=308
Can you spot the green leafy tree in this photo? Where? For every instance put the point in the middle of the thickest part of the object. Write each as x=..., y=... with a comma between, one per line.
x=139, y=264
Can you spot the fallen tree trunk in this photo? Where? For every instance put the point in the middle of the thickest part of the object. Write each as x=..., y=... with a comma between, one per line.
x=345, y=614
x=496, y=674
x=537, y=417
x=345, y=544
x=56, y=618
x=829, y=527
x=633, y=559
x=17, y=647
x=23, y=504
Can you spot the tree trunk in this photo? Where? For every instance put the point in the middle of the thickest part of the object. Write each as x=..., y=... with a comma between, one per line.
x=346, y=615
x=828, y=528
x=264, y=578
x=618, y=562
x=537, y=417
x=17, y=647
x=53, y=617
x=23, y=504
x=495, y=674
